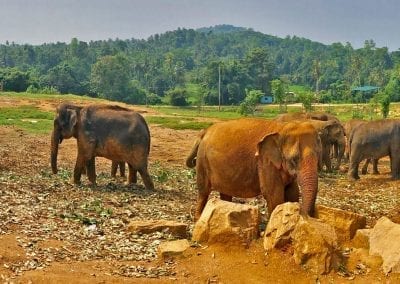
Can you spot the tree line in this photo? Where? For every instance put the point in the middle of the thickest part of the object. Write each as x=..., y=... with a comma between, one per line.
x=221, y=64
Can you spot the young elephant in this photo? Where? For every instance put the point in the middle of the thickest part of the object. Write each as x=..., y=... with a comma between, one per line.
x=375, y=139
x=249, y=157
x=113, y=132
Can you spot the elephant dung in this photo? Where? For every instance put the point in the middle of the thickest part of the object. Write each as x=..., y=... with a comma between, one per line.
x=173, y=248
x=227, y=222
x=345, y=223
x=384, y=241
x=315, y=245
x=281, y=224
x=147, y=227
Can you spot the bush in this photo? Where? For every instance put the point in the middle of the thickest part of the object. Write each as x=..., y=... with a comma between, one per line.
x=248, y=106
x=177, y=97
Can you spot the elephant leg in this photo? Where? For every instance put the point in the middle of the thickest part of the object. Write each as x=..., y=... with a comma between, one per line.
x=148, y=182
x=225, y=197
x=79, y=168
x=91, y=170
x=122, y=169
x=375, y=167
x=326, y=158
x=114, y=168
x=353, y=168
x=132, y=174
x=204, y=190
x=364, y=169
x=292, y=192
x=395, y=166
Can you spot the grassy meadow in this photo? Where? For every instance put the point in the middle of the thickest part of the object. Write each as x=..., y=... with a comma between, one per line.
x=29, y=116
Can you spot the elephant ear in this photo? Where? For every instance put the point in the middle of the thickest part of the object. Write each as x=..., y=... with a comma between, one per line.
x=268, y=149
x=73, y=119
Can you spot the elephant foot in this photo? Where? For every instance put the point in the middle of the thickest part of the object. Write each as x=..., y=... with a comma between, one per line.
x=354, y=177
x=375, y=173
x=364, y=172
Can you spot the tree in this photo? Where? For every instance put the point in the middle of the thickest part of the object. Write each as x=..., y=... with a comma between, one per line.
x=177, y=96
x=248, y=106
x=110, y=77
x=278, y=90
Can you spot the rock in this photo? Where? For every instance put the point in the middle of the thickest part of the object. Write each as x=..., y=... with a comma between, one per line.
x=173, y=248
x=361, y=238
x=345, y=223
x=147, y=227
x=384, y=241
x=282, y=222
x=315, y=245
x=227, y=222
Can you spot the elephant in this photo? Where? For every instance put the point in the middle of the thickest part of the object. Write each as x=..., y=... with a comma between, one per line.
x=285, y=117
x=109, y=131
x=349, y=126
x=248, y=157
x=331, y=133
x=375, y=139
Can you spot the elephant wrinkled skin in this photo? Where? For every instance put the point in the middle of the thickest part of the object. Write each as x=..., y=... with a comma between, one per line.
x=374, y=140
x=248, y=157
x=113, y=132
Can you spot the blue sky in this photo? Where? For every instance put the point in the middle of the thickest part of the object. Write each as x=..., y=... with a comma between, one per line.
x=326, y=21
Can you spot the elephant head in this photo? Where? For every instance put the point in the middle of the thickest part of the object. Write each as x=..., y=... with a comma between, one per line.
x=289, y=159
x=65, y=126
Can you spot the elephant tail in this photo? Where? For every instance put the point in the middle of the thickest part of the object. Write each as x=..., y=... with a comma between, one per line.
x=191, y=159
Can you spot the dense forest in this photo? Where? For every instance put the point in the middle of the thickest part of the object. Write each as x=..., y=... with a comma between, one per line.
x=189, y=66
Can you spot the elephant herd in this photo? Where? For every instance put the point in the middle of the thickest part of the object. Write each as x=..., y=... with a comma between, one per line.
x=278, y=158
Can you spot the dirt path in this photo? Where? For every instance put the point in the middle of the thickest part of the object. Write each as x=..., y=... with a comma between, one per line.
x=54, y=232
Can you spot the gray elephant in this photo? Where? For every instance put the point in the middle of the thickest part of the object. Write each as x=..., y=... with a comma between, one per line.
x=374, y=140
x=113, y=132
x=249, y=157
x=349, y=126
x=331, y=133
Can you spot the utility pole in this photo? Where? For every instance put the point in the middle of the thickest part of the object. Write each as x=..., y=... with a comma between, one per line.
x=219, y=86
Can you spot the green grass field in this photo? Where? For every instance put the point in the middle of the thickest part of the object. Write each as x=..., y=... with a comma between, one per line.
x=34, y=120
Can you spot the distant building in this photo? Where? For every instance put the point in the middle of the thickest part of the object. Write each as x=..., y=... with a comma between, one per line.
x=365, y=92
x=266, y=100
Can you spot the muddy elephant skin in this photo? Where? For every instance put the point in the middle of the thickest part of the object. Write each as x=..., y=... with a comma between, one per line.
x=331, y=132
x=374, y=140
x=113, y=132
x=248, y=157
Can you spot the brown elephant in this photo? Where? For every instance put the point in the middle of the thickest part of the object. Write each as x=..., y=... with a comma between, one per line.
x=249, y=157
x=331, y=132
x=113, y=132
x=349, y=126
x=373, y=140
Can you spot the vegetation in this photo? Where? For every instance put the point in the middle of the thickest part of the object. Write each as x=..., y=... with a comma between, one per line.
x=189, y=66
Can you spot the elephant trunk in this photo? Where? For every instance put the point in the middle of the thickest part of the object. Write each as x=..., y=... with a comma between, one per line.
x=308, y=182
x=55, y=140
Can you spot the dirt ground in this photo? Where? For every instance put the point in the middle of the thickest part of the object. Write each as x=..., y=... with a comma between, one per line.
x=54, y=232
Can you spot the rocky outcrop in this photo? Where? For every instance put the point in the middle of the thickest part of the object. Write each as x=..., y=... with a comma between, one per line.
x=384, y=240
x=314, y=242
x=227, y=222
x=315, y=245
x=361, y=238
x=345, y=223
x=177, y=229
x=173, y=248
x=281, y=225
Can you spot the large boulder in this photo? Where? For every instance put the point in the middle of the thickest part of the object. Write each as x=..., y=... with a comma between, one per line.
x=177, y=229
x=361, y=238
x=384, y=240
x=281, y=225
x=346, y=223
x=227, y=222
x=314, y=242
x=315, y=245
